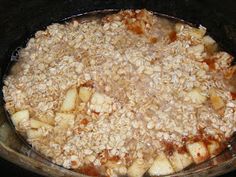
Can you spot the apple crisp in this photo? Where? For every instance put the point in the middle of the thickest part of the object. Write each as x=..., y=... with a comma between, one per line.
x=124, y=94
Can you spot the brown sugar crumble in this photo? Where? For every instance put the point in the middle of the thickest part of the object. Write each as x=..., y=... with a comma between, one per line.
x=106, y=92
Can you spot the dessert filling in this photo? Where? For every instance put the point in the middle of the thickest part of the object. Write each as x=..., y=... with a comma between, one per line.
x=123, y=94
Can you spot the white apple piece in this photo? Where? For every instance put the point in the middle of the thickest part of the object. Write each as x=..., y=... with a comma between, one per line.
x=196, y=96
x=214, y=148
x=138, y=168
x=33, y=134
x=161, y=166
x=223, y=60
x=121, y=170
x=98, y=98
x=85, y=93
x=179, y=27
x=65, y=120
x=101, y=103
x=209, y=43
x=20, y=116
x=179, y=161
x=69, y=100
x=115, y=170
x=197, y=33
x=198, y=151
x=38, y=124
x=229, y=74
x=216, y=101
x=196, y=49
x=47, y=120
x=207, y=40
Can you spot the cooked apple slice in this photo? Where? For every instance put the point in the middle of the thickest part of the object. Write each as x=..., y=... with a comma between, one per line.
x=197, y=32
x=196, y=96
x=214, y=148
x=32, y=134
x=47, y=120
x=114, y=169
x=20, y=116
x=216, y=101
x=121, y=170
x=69, y=100
x=198, y=151
x=98, y=98
x=223, y=60
x=161, y=166
x=197, y=49
x=65, y=119
x=85, y=93
x=230, y=72
x=65, y=116
x=179, y=27
x=207, y=40
x=179, y=161
x=37, y=124
x=191, y=31
x=137, y=169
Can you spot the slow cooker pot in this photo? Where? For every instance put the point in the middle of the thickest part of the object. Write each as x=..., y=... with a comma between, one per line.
x=21, y=19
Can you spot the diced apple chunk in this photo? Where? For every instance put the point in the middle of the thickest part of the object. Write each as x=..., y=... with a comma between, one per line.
x=114, y=169
x=137, y=169
x=179, y=27
x=85, y=93
x=223, y=60
x=214, y=148
x=33, y=134
x=207, y=40
x=180, y=161
x=65, y=120
x=38, y=124
x=198, y=151
x=69, y=100
x=101, y=103
x=67, y=116
x=230, y=72
x=47, y=120
x=121, y=170
x=197, y=49
x=98, y=98
x=20, y=116
x=191, y=31
x=161, y=166
x=198, y=32
x=210, y=44
x=216, y=101
x=196, y=96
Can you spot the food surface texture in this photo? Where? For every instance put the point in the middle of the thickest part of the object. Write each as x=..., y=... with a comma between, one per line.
x=126, y=94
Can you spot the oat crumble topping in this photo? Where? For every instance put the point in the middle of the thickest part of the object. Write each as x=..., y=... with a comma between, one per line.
x=119, y=88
